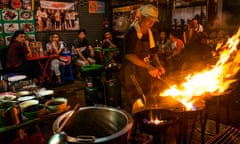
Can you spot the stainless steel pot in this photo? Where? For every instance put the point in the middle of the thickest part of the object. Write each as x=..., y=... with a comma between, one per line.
x=108, y=125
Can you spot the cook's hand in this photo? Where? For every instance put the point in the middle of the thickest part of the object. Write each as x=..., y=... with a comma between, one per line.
x=161, y=69
x=154, y=72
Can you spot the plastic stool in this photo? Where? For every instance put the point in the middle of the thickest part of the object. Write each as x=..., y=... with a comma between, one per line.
x=67, y=73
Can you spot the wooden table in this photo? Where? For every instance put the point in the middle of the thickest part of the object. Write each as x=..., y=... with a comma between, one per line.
x=43, y=62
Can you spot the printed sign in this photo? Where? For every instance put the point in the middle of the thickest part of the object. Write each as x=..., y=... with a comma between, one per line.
x=96, y=7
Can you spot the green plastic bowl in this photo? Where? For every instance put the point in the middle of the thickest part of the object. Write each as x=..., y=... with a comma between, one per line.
x=56, y=104
x=34, y=111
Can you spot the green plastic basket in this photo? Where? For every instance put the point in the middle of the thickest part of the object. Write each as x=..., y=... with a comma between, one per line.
x=91, y=67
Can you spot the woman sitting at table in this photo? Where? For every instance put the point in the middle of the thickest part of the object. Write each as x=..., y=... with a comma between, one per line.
x=18, y=51
x=56, y=47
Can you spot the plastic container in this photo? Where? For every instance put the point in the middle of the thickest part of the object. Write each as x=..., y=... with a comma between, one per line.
x=91, y=67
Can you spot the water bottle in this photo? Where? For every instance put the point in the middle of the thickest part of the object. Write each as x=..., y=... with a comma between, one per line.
x=74, y=52
x=41, y=52
x=3, y=84
x=96, y=43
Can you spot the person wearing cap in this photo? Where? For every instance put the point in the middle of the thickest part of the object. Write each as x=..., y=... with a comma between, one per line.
x=141, y=58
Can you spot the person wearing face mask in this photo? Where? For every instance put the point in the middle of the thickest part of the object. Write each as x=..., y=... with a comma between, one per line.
x=141, y=57
x=18, y=51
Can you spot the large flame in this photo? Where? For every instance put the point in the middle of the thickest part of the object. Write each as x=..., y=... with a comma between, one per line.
x=212, y=80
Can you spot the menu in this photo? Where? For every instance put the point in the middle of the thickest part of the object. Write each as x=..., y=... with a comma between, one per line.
x=12, y=20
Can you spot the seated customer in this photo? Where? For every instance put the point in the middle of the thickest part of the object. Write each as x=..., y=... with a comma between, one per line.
x=56, y=47
x=18, y=51
x=177, y=46
x=85, y=52
x=109, y=41
x=164, y=46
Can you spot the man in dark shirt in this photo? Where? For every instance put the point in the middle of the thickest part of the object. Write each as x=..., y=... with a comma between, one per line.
x=84, y=50
x=109, y=41
x=18, y=50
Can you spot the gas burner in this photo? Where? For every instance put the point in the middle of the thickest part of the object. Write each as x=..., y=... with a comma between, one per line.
x=155, y=122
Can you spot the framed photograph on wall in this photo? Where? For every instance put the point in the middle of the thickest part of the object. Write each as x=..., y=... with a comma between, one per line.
x=9, y=15
x=56, y=16
x=13, y=20
x=11, y=27
x=16, y=4
x=1, y=41
x=26, y=15
x=1, y=28
x=7, y=39
x=27, y=27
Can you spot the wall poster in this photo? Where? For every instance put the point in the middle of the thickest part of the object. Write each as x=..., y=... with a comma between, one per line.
x=56, y=16
x=12, y=20
x=16, y=4
x=96, y=7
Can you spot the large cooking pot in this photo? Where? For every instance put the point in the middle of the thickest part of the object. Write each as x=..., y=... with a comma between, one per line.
x=108, y=125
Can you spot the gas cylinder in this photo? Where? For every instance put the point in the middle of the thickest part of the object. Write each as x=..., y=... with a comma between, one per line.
x=113, y=92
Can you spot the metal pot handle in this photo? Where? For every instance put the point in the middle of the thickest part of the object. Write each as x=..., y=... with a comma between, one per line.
x=82, y=139
x=62, y=137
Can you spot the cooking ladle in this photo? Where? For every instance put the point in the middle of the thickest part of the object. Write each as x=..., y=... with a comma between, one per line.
x=139, y=89
x=67, y=118
x=163, y=81
x=61, y=137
